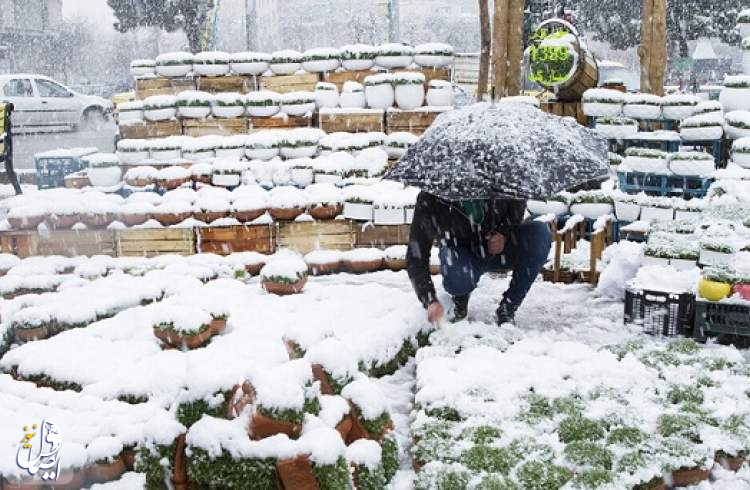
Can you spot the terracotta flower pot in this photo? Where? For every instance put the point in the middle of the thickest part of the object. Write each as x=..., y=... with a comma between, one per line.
x=743, y=290
x=285, y=289
x=254, y=269
x=98, y=220
x=358, y=430
x=218, y=325
x=31, y=334
x=362, y=266
x=65, y=221
x=324, y=269
x=689, y=476
x=285, y=214
x=179, y=470
x=262, y=427
x=133, y=219
x=170, y=184
x=319, y=374
x=128, y=458
x=169, y=219
x=326, y=212
x=28, y=223
x=241, y=396
x=139, y=182
x=176, y=340
x=292, y=349
x=297, y=473
x=209, y=216
x=732, y=463
x=345, y=427
x=395, y=264
x=105, y=472
x=247, y=216
x=202, y=179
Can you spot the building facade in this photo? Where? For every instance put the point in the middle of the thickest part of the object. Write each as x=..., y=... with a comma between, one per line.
x=29, y=34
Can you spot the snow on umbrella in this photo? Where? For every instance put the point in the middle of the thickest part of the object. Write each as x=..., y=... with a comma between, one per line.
x=511, y=151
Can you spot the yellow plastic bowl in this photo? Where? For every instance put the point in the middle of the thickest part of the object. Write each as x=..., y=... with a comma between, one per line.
x=713, y=290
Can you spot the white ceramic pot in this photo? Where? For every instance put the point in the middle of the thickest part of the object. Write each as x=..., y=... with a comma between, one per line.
x=357, y=65
x=174, y=71
x=684, y=215
x=229, y=153
x=391, y=62
x=302, y=177
x=649, y=260
x=687, y=168
x=326, y=98
x=735, y=99
x=677, y=112
x=380, y=96
x=557, y=208
x=285, y=68
x=395, y=152
x=645, y=164
x=358, y=211
x=642, y=111
x=263, y=111
x=226, y=180
x=626, y=211
x=711, y=257
x=160, y=114
x=614, y=131
x=352, y=100
x=297, y=109
x=166, y=155
x=213, y=70
x=197, y=156
x=736, y=133
x=391, y=216
x=432, y=60
x=327, y=179
x=129, y=116
x=599, y=109
x=261, y=153
x=683, y=264
x=536, y=207
x=299, y=152
x=252, y=68
x=649, y=213
x=591, y=210
x=132, y=157
x=228, y=111
x=408, y=215
x=741, y=159
x=410, y=96
x=104, y=176
x=440, y=96
x=193, y=112
x=140, y=71
x=702, y=134
x=320, y=66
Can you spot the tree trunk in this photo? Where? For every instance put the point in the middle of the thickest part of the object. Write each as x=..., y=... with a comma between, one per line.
x=500, y=48
x=484, y=55
x=658, y=47
x=645, y=49
x=515, y=47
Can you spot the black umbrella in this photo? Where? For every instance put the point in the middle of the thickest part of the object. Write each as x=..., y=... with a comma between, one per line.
x=510, y=151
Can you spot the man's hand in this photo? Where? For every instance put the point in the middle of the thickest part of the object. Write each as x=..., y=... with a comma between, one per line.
x=435, y=312
x=495, y=243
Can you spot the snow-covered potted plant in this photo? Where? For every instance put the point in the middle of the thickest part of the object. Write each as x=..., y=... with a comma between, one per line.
x=558, y=204
x=352, y=95
x=709, y=107
x=602, y=102
x=226, y=173
x=627, y=207
x=285, y=62
x=99, y=213
x=209, y=209
x=388, y=209
x=379, y=92
x=409, y=88
x=26, y=217
x=395, y=257
x=734, y=96
x=200, y=148
x=173, y=177
x=230, y=147
x=286, y=202
x=194, y=104
x=211, y=63
x=132, y=151
x=182, y=326
x=297, y=103
x=249, y=63
x=141, y=176
x=201, y=173
x=642, y=106
x=172, y=212
x=135, y=213
x=325, y=203
x=737, y=124
x=249, y=207
x=166, y=149
x=645, y=160
x=301, y=172
x=142, y=68
x=716, y=282
x=654, y=254
x=361, y=260
x=692, y=163
x=263, y=103
x=717, y=251
x=616, y=127
x=356, y=57
x=433, y=55
x=104, y=169
x=741, y=152
x=321, y=60
x=358, y=203
x=322, y=262
x=228, y=105
x=284, y=275
x=130, y=112
x=679, y=106
x=327, y=170
x=397, y=143
x=173, y=65
x=300, y=143
x=263, y=145
x=688, y=210
x=326, y=95
x=159, y=107
x=591, y=204
x=702, y=127
x=394, y=55
x=657, y=209
x=439, y=93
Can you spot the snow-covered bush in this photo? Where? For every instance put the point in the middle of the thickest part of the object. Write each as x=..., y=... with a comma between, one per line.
x=228, y=105
x=394, y=55
x=321, y=60
x=741, y=152
x=439, y=93
x=642, y=106
x=397, y=143
x=286, y=62
x=616, y=127
x=326, y=95
x=211, y=63
x=702, y=127
x=132, y=151
x=300, y=142
x=130, y=112
x=159, y=107
x=379, y=92
x=352, y=95
x=194, y=104
x=600, y=102
x=358, y=56
x=692, y=163
x=433, y=55
x=679, y=106
x=173, y=65
x=142, y=68
x=645, y=160
x=297, y=103
x=409, y=89
x=249, y=63
x=737, y=124
x=263, y=103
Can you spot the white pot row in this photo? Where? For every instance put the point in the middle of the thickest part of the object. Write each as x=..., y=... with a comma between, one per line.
x=378, y=215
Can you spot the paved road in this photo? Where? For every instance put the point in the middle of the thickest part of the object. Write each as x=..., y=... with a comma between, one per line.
x=26, y=145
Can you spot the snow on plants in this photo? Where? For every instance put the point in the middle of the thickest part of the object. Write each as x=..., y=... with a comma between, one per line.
x=440, y=93
x=737, y=124
x=709, y=107
x=394, y=55
x=692, y=163
x=616, y=127
x=679, y=106
x=645, y=160
x=297, y=103
x=263, y=103
x=433, y=55
x=602, y=102
x=326, y=95
x=211, y=63
x=321, y=60
x=286, y=62
x=228, y=105
x=702, y=127
x=160, y=107
x=358, y=57
x=642, y=106
x=300, y=142
x=175, y=64
x=397, y=143
x=142, y=68
x=379, y=93
x=409, y=89
x=249, y=63
x=352, y=95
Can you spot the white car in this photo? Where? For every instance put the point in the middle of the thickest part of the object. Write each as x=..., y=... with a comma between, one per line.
x=40, y=104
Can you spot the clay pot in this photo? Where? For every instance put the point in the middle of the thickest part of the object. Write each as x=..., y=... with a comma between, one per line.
x=326, y=212
x=28, y=223
x=689, y=476
x=240, y=397
x=653, y=484
x=176, y=340
x=358, y=430
x=285, y=289
x=31, y=334
x=209, y=216
x=170, y=184
x=98, y=220
x=345, y=427
x=247, y=216
x=732, y=463
x=169, y=219
x=65, y=221
x=202, y=179
x=133, y=219
x=254, y=269
x=360, y=267
x=218, y=325
x=324, y=269
x=285, y=214
x=319, y=374
x=291, y=349
x=395, y=264
x=105, y=472
x=128, y=458
x=262, y=427
x=139, y=182
x=297, y=473
x=179, y=471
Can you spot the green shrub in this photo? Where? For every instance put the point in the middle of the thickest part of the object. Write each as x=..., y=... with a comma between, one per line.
x=484, y=434
x=191, y=412
x=434, y=442
x=678, y=425
x=580, y=429
x=630, y=463
x=453, y=477
x=149, y=461
x=227, y=472
x=538, y=475
x=685, y=394
x=389, y=457
x=496, y=482
x=334, y=476
x=489, y=459
x=626, y=436
x=593, y=479
x=584, y=453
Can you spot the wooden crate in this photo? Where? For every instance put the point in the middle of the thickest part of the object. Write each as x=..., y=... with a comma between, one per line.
x=225, y=240
x=147, y=87
x=382, y=236
x=415, y=121
x=72, y=243
x=338, y=78
x=325, y=235
x=20, y=243
x=431, y=74
x=214, y=126
x=352, y=121
x=153, y=242
x=230, y=83
x=279, y=122
x=290, y=83
x=146, y=129
x=566, y=109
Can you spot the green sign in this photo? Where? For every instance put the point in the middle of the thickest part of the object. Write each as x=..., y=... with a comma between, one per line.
x=552, y=53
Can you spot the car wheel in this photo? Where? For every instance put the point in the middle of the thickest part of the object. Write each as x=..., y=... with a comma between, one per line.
x=93, y=119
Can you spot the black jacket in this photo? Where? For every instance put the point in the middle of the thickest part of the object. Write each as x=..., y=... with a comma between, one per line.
x=445, y=221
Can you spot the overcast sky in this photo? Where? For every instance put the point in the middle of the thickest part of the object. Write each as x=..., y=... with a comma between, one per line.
x=95, y=10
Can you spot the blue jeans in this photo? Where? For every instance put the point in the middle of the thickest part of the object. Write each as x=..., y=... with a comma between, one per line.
x=525, y=253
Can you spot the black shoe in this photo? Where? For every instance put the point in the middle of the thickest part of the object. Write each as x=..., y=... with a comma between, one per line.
x=460, y=308
x=506, y=313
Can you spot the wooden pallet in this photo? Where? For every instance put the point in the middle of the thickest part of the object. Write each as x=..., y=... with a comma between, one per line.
x=153, y=242
x=338, y=78
x=214, y=126
x=225, y=240
x=146, y=129
x=72, y=243
x=381, y=236
x=230, y=83
x=20, y=243
x=358, y=121
x=290, y=83
x=306, y=237
x=415, y=121
x=147, y=87
x=278, y=122
x=566, y=109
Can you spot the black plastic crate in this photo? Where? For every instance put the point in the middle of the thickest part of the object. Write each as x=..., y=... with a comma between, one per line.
x=660, y=313
x=721, y=319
